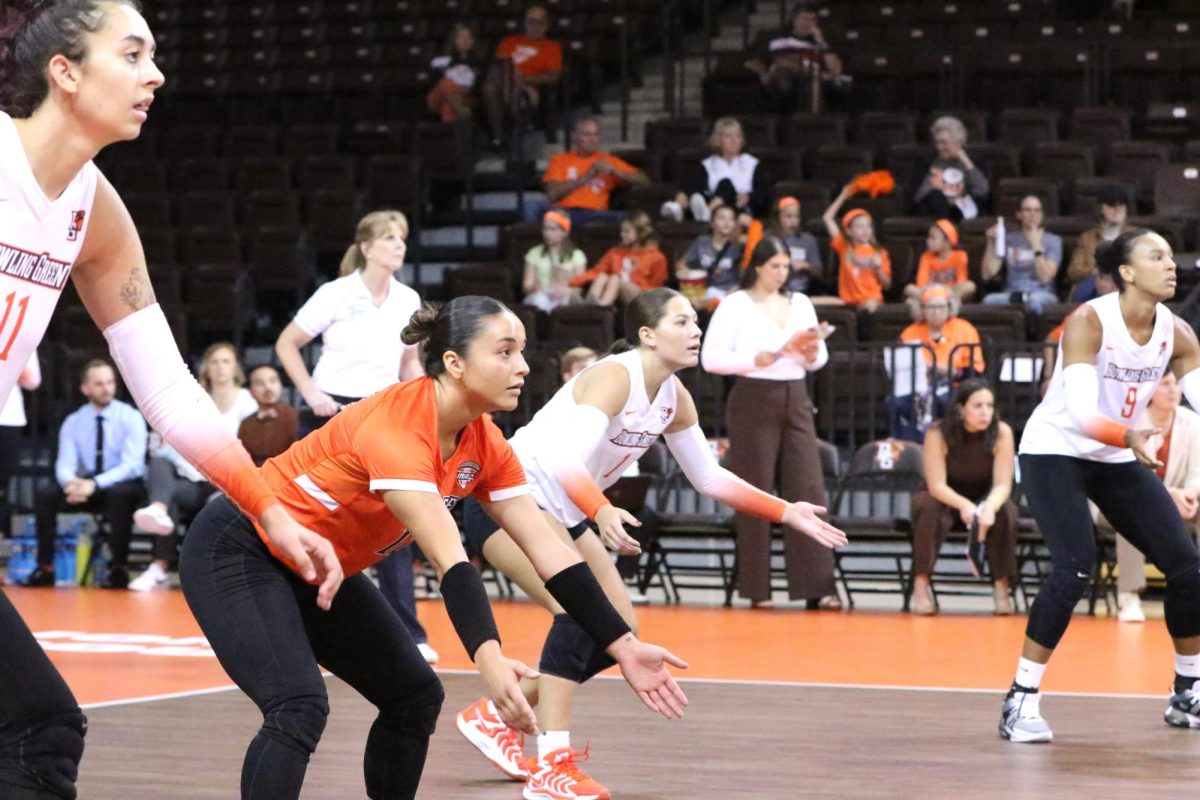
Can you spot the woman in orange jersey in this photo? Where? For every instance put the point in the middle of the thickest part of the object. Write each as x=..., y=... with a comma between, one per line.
x=579, y=443
x=383, y=473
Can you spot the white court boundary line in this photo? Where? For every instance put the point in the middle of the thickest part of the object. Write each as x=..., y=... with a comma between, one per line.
x=719, y=681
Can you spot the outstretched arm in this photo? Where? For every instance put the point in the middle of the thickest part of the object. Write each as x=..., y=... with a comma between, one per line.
x=571, y=582
x=599, y=396
x=687, y=443
x=425, y=516
x=112, y=281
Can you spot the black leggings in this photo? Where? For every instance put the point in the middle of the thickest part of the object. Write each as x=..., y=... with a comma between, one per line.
x=41, y=726
x=265, y=628
x=1137, y=504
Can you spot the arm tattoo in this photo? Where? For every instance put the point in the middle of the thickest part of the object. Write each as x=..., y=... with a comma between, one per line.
x=137, y=292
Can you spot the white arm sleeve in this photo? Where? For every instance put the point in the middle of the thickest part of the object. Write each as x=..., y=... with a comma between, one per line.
x=178, y=408
x=583, y=430
x=699, y=464
x=1190, y=384
x=1083, y=393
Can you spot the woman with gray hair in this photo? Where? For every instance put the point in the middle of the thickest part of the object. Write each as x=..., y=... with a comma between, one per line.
x=729, y=177
x=949, y=186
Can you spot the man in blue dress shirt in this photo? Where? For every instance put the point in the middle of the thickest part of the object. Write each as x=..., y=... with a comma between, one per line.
x=100, y=466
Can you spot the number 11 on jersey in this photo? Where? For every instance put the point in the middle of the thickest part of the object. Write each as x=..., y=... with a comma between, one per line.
x=22, y=307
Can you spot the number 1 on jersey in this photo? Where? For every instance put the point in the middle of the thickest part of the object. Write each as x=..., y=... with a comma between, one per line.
x=23, y=305
x=1130, y=402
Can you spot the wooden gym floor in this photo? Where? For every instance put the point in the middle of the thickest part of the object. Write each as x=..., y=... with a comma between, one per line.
x=785, y=704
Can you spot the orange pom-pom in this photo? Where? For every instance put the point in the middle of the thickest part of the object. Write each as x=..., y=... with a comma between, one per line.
x=873, y=183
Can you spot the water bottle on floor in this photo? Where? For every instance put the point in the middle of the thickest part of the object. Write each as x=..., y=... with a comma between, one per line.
x=23, y=555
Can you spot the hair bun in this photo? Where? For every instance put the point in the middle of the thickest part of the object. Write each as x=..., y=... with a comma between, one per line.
x=420, y=325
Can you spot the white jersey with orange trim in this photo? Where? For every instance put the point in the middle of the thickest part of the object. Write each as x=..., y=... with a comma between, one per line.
x=40, y=239
x=1128, y=374
x=628, y=435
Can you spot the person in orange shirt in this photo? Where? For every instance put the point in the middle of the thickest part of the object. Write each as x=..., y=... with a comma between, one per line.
x=384, y=473
x=628, y=269
x=941, y=263
x=581, y=180
x=528, y=66
x=864, y=268
x=947, y=354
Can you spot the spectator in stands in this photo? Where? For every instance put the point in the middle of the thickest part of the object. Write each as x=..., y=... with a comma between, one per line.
x=728, y=177
x=949, y=186
x=710, y=268
x=99, y=468
x=864, y=268
x=575, y=361
x=808, y=273
x=455, y=96
x=1086, y=282
x=275, y=425
x=948, y=358
x=550, y=266
x=786, y=61
x=1031, y=259
x=527, y=70
x=12, y=420
x=1177, y=447
x=359, y=317
x=942, y=263
x=581, y=180
x=177, y=490
x=770, y=339
x=969, y=466
x=628, y=269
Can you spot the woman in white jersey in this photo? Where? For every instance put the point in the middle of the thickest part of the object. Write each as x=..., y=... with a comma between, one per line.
x=1078, y=445
x=593, y=428
x=80, y=75
x=359, y=318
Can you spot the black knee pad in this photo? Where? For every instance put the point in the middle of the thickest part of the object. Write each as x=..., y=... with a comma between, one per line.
x=1181, y=608
x=416, y=715
x=1054, y=605
x=42, y=758
x=298, y=722
x=571, y=654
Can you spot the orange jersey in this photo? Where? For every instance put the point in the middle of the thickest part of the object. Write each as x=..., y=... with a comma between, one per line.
x=858, y=283
x=955, y=332
x=642, y=266
x=595, y=193
x=531, y=56
x=332, y=481
x=949, y=272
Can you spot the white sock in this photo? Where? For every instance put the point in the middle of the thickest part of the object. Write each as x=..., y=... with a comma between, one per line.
x=549, y=741
x=1187, y=666
x=1029, y=673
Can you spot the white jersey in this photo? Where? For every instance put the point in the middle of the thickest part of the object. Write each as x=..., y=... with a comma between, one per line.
x=628, y=435
x=1128, y=374
x=40, y=239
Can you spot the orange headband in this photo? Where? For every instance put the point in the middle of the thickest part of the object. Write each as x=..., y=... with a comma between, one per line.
x=852, y=215
x=787, y=202
x=935, y=291
x=558, y=217
x=947, y=227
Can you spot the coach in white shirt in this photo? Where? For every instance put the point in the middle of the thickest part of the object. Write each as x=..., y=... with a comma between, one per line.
x=359, y=318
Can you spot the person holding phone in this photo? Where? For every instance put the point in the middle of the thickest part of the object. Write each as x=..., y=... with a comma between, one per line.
x=769, y=338
x=1032, y=257
x=969, y=466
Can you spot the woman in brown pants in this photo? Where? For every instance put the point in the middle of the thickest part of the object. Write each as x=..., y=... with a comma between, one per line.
x=968, y=478
x=770, y=339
